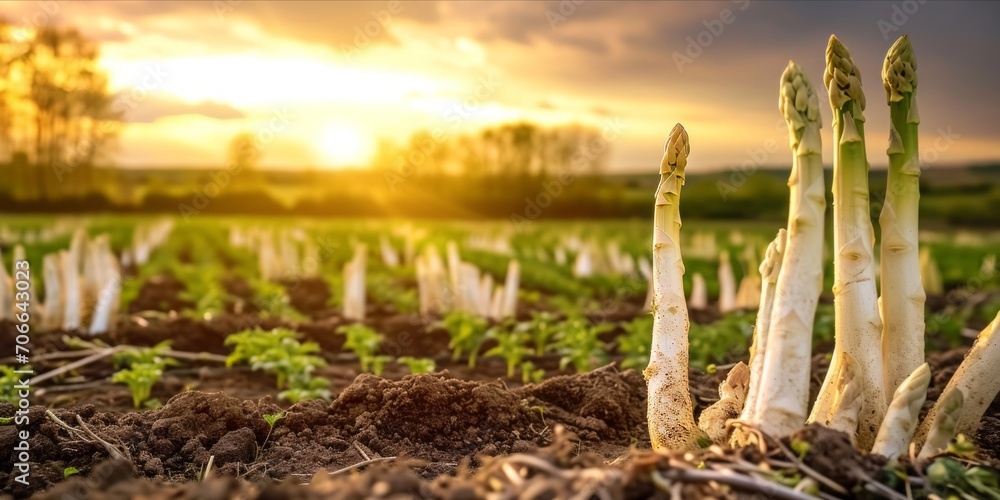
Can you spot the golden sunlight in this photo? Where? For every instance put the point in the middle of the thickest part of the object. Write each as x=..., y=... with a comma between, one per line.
x=344, y=145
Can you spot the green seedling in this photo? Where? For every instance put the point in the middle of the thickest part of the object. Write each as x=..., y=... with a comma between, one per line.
x=364, y=343
x=8, y=381
x=542, y=329
x=140, y=368
x=418, y=365
x=530, y=374
x=510, y=346
x=202, y=288
x=271, y=419
x=634, y=345
x=718, y=342
x=580, y=344
x=155, y=356
x=140, y=379
x=69, y=471
x=385, y=290
x=272, y=300
x=279, y=352
x=948, y=478
x=467, y=334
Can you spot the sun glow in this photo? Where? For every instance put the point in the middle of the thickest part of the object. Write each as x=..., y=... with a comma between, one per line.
x=343, y=145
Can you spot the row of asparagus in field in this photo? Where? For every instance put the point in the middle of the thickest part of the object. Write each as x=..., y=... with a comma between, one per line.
x=82, y=284
x=58, y=228
x=747, y=296
x=878, y=380
x=443, y=286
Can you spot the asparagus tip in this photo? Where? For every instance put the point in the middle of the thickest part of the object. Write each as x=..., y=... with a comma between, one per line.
x=843, y=78
x=899, y=71
x=675, y=151
x=798, y=102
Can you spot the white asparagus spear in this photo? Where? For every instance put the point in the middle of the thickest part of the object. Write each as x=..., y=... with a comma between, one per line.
x=670, y=411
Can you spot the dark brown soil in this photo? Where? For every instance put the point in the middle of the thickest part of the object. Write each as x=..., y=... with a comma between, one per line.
x=559, y=470
x=159, y=293
x=309, y=296
x=459, y=416
x=441, y=420
x=187, y=334
x=603, y=405
x=832, y=455
x=436, y=418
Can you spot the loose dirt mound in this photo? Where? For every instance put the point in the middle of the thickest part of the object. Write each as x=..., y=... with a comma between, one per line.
x=435, y=418
x=559, y=471
x=602, y=405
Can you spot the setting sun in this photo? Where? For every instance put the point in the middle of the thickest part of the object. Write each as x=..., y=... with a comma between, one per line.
x=343, y=145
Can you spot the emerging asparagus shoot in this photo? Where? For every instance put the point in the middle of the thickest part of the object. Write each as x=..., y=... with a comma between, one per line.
x=732, y=397
x=901, y=420
x=902, y=300
x=783, y=392
x=976, y=378
x=944, y=425
x=670, y=411
x=769, y=271
x=859, y=326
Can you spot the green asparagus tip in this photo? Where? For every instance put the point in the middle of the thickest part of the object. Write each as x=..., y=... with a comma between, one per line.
x=899, y=72
x=675, y=152
x=798, y=102
x=843, y=79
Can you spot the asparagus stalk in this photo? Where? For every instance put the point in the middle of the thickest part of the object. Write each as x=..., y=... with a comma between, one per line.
x=902, y=301
x=848, y=401
x=354, y=285
x=930, y=276
x=699, y=292
x=6, y=293
x=859, y=326
x=782, y=405
x=727, y=284
x=511, y=283
x=977, y=379
x=901, y=420
x=769, y=270
x=71, y=285
x=945, y=424
x=732, y=397
x=54, y=307
x=670, y=411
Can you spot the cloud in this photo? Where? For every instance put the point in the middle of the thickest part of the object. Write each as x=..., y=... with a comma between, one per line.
x=589, y=58
x=157, y=106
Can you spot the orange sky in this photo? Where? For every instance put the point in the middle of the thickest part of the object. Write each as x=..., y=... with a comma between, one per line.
x=319, y=91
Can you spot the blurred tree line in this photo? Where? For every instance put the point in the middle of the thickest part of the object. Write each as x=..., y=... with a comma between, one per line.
x=59, y=121
x=56, y=113
x=510, y=156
